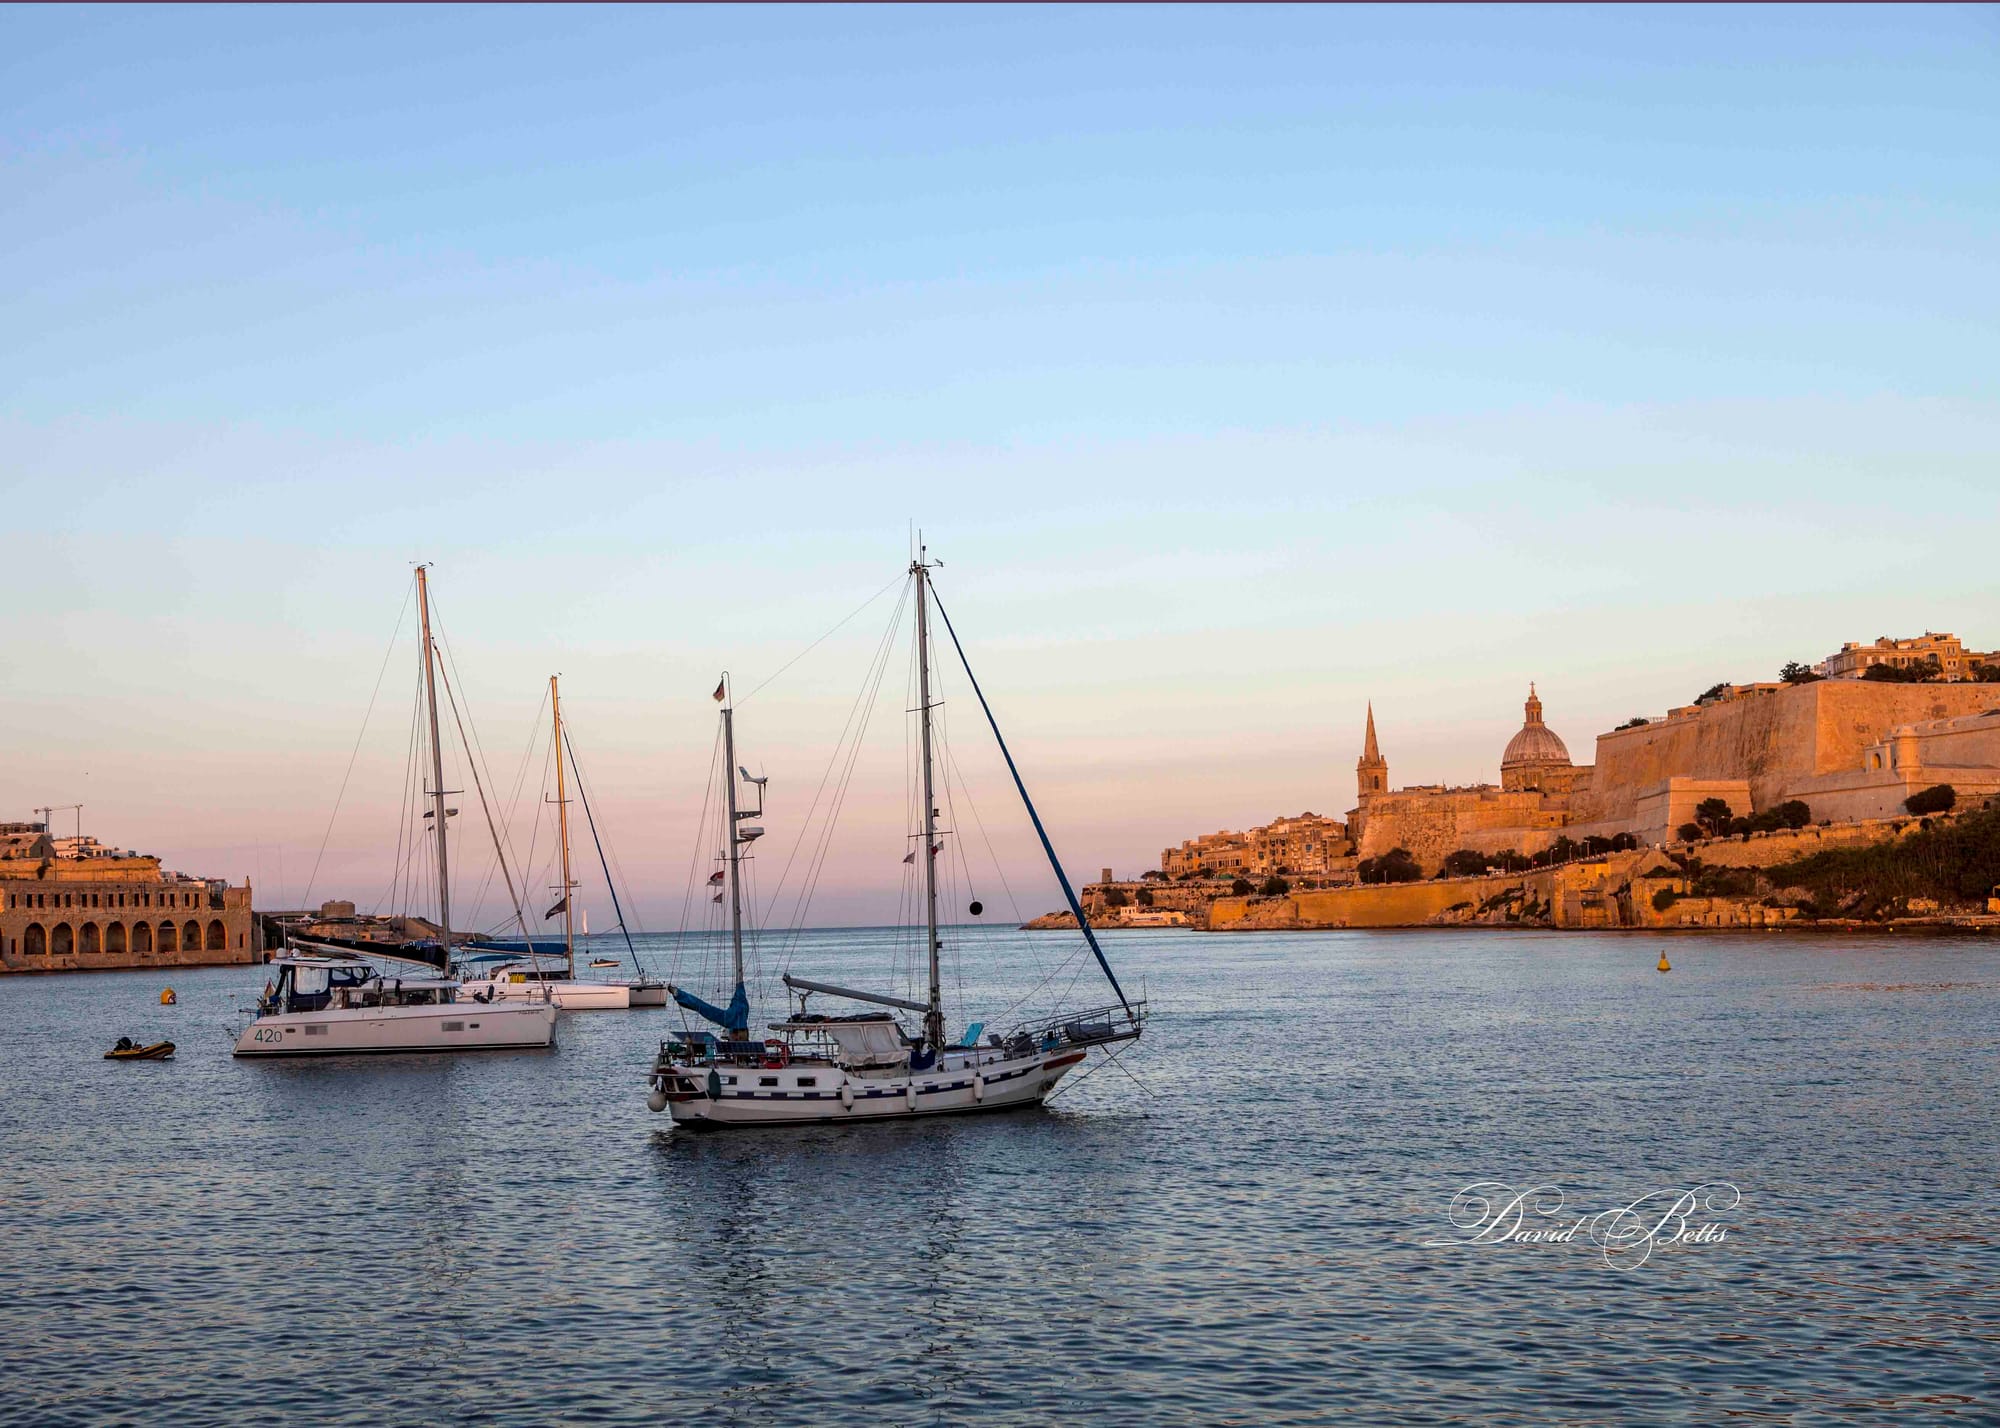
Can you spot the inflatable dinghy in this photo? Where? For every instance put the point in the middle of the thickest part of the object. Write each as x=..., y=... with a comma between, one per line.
x=128, y=1050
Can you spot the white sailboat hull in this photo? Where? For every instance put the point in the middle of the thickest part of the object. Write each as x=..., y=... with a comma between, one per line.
x=459, y=1026
x=564, y=995
x=837, y=1096
x=648, y=994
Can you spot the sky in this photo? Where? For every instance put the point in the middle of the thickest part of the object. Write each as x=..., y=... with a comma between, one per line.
x=1241, y=365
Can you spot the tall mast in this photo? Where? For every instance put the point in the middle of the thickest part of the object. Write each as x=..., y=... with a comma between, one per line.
x=735, y=843
x=934, y=1018
x=562, y=822
x=437, y=758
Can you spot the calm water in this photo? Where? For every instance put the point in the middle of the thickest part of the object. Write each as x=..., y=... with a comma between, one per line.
x=514, y=1238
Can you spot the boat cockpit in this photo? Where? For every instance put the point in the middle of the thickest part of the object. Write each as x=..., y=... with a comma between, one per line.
x=315, y=984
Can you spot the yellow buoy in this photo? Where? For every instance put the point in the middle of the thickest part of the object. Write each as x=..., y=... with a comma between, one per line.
x=167, y=997
x=1665, y=966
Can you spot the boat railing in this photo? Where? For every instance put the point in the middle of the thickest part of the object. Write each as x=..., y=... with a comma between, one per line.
x=1096, y=1026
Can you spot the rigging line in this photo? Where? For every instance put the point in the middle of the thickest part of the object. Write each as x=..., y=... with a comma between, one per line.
x=355, y=753
x=805, y=823
x=583, y=796
x=499, y=851
x=1055, y=972
x=1041, y=832
x=695, y=859
x=821, y=640
x=636, y=922
x=866, y=703
x=1109, y=1060
x=402, y=813
x=507, y=813
x=475, y=751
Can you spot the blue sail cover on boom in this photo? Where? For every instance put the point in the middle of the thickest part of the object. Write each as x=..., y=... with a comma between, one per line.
x=736, y=1018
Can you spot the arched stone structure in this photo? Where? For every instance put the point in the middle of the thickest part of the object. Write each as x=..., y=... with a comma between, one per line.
x=62, y=941
x=114, y=939
x=170, y=938
x=142, y=938
x=87, y=942
x=218, y=936
x=191, y=937
x=34, y=941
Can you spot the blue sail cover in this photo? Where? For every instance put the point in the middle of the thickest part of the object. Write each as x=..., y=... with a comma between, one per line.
x=736, y=1018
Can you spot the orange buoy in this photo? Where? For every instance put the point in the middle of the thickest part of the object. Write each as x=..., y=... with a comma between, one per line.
x=1665, y=965
x=167, y=997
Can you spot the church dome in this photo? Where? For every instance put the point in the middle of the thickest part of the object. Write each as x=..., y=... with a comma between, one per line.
x=1536, y=743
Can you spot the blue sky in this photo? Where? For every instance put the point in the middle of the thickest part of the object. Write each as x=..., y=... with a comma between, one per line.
x=1243, y=365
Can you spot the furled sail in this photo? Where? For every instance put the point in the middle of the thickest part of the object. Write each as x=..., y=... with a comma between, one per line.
x=735, y=1018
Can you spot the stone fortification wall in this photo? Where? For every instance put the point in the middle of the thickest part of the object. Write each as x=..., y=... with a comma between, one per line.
x=1433, y=824
x=1775, y=741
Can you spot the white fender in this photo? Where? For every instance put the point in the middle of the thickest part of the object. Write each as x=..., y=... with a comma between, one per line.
x=978, y=1087
x=657, y=1101
x=910, y=1095
x=846, y=1096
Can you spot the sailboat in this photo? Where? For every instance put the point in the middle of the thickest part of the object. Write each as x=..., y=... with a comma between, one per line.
x=814, y=1067
x=507, y=970
x=332, y=996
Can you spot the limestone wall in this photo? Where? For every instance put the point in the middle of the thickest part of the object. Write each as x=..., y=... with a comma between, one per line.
x=1774, y=740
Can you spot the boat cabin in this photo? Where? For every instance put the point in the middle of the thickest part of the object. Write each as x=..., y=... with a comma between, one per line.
x=309, y=984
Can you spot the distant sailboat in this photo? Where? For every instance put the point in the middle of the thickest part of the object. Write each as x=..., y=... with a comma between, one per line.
x=817, y=1068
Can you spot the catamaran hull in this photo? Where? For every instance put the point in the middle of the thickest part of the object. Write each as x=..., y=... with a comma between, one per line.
x=1002, y=1086
x=456, y=1027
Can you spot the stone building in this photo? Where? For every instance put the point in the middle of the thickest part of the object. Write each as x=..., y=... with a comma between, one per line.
x=1306, y=845
x=1524, y=813
x=73, y=904
x=1955, y=662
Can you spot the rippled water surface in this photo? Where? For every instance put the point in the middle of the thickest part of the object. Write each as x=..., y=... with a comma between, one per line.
x=1242, y=1239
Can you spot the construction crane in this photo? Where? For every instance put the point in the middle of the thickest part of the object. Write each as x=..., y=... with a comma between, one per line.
x=75, y=808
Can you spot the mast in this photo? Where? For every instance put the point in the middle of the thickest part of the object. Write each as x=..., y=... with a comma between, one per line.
x=934, y=1018
x=735, y=843
x=562, y=823
x=437, y=757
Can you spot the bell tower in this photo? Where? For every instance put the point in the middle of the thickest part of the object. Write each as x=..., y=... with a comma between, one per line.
x=1371, y=773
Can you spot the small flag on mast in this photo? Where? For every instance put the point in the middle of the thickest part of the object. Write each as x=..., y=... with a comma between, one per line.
x=910, y=857
x=556, y=909
x=721, y=688
x=716, y=876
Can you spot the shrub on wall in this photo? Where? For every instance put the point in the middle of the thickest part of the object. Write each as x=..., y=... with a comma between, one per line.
x=1664, y=899
x=1275, y=886
x=1688, y=832
x=1394, y=866
x=1938, y=798
x=1241, y=887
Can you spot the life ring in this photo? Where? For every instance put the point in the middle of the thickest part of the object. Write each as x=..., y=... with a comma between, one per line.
x=777, y=1056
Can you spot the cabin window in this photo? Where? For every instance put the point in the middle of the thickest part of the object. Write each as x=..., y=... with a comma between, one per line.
x=808, y=1080
x=767, y=1080
x=729, y=1080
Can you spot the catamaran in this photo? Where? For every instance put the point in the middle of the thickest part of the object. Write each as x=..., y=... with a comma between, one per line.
x=333, y=997
x=816, y=1067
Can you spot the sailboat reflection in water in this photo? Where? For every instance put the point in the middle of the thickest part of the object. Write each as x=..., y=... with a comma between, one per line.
x=818, y=1067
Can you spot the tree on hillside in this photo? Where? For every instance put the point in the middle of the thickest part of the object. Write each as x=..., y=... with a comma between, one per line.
x=1938, y=798
x=1688, y=832
x=1925, y=671
x=1796, y=673
x=1116, y=897
x=1153, y=875
x=1394, y=866
x=1713, y=814
x=1986, y=674
x=1275, y=886
x=1241, y=887
x=1713, y=692
x=1463, y=863
x=1793, y=813
x=1144, y=897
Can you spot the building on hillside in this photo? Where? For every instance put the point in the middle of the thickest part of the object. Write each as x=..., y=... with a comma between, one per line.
x=1305, y=845
x=72, y=904
x=1955, y=662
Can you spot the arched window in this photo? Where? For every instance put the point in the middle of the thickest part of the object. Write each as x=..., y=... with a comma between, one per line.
x=170, y=938
x=142, y=938
x=114, y=939
x=87, y=942
x=34, y=941
x=191, y=937
x=62, y=942
x=218, y=939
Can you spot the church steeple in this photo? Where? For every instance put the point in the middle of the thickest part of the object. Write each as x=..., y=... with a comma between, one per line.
x=1371, y=772
x=1534, y=705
